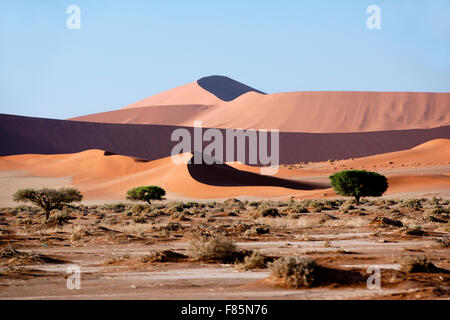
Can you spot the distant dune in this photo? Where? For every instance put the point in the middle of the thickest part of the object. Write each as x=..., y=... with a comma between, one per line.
x=206, y=91
x=22, y=135
x=329, y=112
x=230, y=104
x=429, y=153
x=188, y=94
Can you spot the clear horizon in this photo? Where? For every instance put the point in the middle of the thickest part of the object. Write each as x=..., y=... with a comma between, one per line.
x=128, y=50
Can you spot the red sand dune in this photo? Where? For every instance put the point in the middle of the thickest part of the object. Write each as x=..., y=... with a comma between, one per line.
x=418, y=183
x=27, y=135
x=188, y=94
x=435, y=152
x=102, y=177
x=333, y=111
x=315, y=112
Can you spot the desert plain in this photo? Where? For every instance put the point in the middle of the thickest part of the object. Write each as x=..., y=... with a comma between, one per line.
x=221, y=228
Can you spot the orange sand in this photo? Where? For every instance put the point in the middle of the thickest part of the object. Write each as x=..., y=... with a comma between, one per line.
x=289, y=111
x=102, y=177
x=190, y=93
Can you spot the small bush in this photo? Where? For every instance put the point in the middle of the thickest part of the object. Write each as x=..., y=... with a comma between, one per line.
x=435, y=201
x=447, y=227
x=216, y=248
x=163, y=256
x=257, y=230
x=443, y=242
x=415, y=231
x=140, y=219
x=388, y=222
x=176, y=207
x=178, y=215
x=76, y=236
x=24, y=221
x=138, y=208
x=316, y=206
x=190, y=204
x=414, y=204
x=61, y=217
x=300, y=209
x=418, y=264
x=116, y=207
x=269, y=212
x=24, y=208
x=254, y=261
x=211, y=204
x=173, y=226
x=346, y=208
x=296, y=272
x=438, y=210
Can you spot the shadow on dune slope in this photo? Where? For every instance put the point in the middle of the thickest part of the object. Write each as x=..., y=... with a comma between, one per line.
x=227, y=176
x=28, y=135
x=225, y=88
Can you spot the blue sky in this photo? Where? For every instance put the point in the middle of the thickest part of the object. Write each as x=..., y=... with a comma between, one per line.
x=129, y=50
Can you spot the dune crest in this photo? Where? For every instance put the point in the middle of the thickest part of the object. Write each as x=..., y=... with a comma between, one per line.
x=188, y=94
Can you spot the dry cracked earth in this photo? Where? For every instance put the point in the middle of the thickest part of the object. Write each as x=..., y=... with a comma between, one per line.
x=228, y=250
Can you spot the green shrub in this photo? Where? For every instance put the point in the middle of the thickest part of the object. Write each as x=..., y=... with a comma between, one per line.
x=359, y=183
x=48, y=199
x=146, y=193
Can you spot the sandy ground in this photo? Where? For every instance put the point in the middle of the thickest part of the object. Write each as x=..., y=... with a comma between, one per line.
x=111, y=265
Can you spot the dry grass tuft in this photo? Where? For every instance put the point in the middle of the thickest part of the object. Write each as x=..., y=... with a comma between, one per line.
x=254, y=261
x=216, y=248
x=296, y=272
